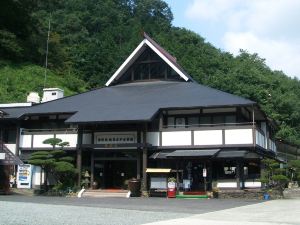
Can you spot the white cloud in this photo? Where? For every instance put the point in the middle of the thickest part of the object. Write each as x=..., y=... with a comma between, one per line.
x=267, y=27
x=279, y=55
x=209, y=9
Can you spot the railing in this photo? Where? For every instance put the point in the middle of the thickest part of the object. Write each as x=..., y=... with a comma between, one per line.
x=33, y=138
x=209, y=135
x=272, y=145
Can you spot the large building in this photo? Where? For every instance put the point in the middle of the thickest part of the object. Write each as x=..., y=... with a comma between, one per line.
x=151, y=117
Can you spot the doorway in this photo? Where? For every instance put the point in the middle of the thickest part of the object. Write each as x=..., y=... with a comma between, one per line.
x=114, y=174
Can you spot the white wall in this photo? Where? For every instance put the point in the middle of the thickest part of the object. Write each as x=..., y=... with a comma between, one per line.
x=174, y=138
x=238, y=136
x=208, y=137
x=25, y=141
x=71, y=138
x=39, y=138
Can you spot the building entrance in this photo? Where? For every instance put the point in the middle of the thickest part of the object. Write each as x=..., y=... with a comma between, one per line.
x=195, y=174
x=114, y=174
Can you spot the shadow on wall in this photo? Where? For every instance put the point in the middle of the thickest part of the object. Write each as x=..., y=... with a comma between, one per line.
x=4, y=179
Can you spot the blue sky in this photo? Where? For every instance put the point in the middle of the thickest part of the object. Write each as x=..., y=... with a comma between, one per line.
x=267, y=27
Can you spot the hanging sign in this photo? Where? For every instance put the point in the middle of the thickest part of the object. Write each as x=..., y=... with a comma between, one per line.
x=204, y=172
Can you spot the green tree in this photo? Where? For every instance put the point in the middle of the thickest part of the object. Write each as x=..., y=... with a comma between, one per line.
x=55, y=162
x=272, y=175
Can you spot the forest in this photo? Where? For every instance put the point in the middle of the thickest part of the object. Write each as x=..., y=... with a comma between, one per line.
x=89, y=39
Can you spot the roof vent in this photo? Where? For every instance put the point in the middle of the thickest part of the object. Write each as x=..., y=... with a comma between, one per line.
x=50, y=94
x=33, y=97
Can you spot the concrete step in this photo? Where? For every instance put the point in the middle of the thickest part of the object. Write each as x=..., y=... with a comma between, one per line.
x=291, y=193
x=105, y=193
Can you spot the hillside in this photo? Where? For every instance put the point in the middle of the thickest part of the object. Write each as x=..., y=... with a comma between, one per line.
x=91, y=38
x=17, y=80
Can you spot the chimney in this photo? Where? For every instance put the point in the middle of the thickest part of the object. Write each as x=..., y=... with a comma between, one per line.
x=50, y=94
x=33, y=97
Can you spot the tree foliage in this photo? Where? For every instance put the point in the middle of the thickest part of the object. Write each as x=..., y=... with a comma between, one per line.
x=273, y=176
x=90, y=39
x=55, y=162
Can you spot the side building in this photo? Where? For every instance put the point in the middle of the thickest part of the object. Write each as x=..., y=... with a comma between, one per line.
x=152, y=114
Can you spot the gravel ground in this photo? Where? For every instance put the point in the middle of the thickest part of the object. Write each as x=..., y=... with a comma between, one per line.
x=24, y=210
x=20, y=213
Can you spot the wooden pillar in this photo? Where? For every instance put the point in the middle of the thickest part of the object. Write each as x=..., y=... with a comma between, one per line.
x=18, y=139
x=238, y=175
x=145, y=161
x=160, y=127
x=138, y=155
x=242, y=174
x=253, y=127
x=204, y=178
x=92, y=167
x=79, y=156
x=210, y=173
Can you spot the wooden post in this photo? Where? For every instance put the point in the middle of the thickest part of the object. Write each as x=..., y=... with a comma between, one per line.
x=18, y=140
x=79, y=155
x=238, y=173
x=92, y=168
x=242, y=174
x=253, y=127
x=204, y=178
x=145, y=161
x=138, y=155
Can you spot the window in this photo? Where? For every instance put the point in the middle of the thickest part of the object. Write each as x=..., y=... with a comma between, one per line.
x=218, y=119
x=180, y=122
x=205, y=120
x=171, y=122
x=230, y=119
x=193, y=121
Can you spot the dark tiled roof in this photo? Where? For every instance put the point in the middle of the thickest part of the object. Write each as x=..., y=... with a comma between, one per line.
x=135, y=101
x=13, y=112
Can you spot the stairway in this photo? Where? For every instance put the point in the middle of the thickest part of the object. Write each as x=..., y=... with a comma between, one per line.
x=10, y=158
x=105, y=193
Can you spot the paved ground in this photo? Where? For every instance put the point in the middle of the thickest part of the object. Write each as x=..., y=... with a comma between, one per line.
x=189, y=206
x=277, y=212
x=19, y=210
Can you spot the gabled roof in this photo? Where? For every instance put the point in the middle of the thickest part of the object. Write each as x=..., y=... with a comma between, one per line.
x=136, y=101
x=162, y=53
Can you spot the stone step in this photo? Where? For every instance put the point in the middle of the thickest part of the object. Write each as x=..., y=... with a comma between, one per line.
x=291, y=193
x=103, y=194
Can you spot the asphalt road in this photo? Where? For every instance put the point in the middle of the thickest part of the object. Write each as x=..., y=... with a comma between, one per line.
x=23, y=210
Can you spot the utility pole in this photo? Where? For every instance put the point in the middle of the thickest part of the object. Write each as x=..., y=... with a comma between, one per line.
x=47, y=47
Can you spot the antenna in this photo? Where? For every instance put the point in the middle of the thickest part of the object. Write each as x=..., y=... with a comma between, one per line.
x=46, y=61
